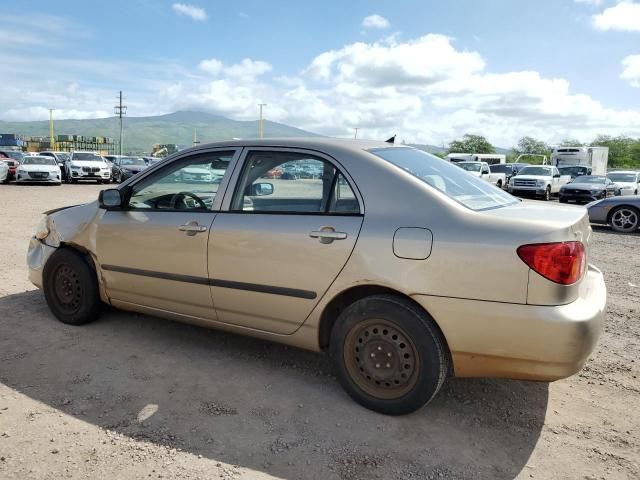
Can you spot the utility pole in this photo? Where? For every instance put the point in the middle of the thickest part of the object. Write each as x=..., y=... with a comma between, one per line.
x=120, y=110
x=261, y=124
x=52, y=143
x=355, y=135
x=195, y=139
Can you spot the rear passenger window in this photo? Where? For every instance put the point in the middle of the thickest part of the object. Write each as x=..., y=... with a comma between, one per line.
x=288, y=182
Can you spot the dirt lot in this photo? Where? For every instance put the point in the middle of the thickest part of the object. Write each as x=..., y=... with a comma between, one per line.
x=131, y=396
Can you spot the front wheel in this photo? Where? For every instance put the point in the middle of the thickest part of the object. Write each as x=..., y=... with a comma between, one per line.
x=71, y=287
x=499, y=184
x=388, y=354
x=625, y=219
x=547, y=194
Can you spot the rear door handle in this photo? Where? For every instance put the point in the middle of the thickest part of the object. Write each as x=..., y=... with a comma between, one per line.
x=327, y=235
x=191, y=228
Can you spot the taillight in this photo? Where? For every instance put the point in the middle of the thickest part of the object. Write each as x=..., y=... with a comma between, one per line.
x=560, y=262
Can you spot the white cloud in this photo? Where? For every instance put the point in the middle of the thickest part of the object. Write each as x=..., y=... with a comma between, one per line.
x=590, y=2
x=246, y=70
x=196, y=13
x=375, y=21
x=622, y=16
x=631, y=70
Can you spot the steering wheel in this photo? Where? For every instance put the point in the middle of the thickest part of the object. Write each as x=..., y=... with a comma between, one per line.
x=182, y=196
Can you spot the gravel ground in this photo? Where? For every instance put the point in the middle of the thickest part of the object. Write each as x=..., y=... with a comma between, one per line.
x=132, y=396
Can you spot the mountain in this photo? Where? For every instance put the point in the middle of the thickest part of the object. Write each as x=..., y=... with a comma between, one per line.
x=140, y=133
x=436, y=149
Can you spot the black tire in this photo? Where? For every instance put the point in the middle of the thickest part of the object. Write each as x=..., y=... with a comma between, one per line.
x=499, y=184
x=405, y=337
x=563, y=200
x=547, y=194
x=71, y=287
x=74, y=180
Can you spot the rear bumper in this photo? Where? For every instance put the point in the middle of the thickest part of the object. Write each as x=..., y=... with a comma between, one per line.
x=531, y=342
x=577, y=197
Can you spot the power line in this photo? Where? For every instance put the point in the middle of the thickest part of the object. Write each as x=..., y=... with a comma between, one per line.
x=121, y=110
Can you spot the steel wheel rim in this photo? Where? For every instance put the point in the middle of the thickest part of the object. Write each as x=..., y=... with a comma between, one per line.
x=67, y=288
x=625, y=219
x=381, y=359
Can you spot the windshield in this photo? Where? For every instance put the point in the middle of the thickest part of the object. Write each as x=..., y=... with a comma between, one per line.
x=14, y=155
x=470, y=167
x=132, y=161
x=623, y=177
x=501, y=168
x=92, y=157
x=39, y=161
x=535, y=171
x=470, y=191
x=589, y=179
x=573, y=171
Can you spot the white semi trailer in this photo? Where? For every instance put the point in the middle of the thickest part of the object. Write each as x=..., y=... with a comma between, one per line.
x=594, y=158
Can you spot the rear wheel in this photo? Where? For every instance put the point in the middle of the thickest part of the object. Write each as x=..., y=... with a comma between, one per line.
x=388, y=354
x=624, y=219
x=71, y=287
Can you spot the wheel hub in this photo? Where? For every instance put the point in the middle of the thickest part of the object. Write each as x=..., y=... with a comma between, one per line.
x=67, y=288
x=381, y=359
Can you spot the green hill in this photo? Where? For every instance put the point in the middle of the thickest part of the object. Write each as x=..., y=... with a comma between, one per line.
x=140, y=133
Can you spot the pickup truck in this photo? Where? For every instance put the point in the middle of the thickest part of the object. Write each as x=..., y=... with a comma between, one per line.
x=538, y=180
x=482, y=170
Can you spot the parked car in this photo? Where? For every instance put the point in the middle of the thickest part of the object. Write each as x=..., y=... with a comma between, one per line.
x=61, y=158
x=482, y=170
x=125, y=167
x=4, y=171
x=377, y=263
x=39, y=169
x=627, y=180
x=12, y=158
x=587, y=188
x=622, y=213
x=509, y=170
x=538, y=180
x=575, y=171
x=87, y=166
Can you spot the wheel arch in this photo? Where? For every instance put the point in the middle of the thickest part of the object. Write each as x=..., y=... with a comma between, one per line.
x=617, y=207
x=345, y=298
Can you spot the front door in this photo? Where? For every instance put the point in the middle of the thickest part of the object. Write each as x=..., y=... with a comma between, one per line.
x=291, y=225
x=153, y=252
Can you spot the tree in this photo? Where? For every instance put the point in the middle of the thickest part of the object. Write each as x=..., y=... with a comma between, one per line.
x=529, y=145
x=619, y=149
x=471, y=144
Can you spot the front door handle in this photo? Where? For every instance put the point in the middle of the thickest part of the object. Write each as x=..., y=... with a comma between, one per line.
x=327, y=235
x=191, y=228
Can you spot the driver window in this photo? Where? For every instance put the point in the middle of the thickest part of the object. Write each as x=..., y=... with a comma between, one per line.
x=187, y=184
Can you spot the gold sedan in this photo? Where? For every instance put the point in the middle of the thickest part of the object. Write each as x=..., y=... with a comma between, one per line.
x=405, y=268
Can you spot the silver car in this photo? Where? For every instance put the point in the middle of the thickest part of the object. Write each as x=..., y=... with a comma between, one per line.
x=403, y=267
x=622, y=213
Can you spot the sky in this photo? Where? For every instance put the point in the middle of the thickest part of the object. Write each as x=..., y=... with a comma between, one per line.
x=428, y=71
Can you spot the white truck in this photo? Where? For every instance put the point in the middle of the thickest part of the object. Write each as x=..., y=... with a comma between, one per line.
x=538, y=180
x=594, y=158
x=482, y=170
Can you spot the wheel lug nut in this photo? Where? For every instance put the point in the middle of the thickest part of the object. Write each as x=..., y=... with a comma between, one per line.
x=377, y=365
x=388, y=365
x=373, y=355
x=379, y=348
x=389, y=354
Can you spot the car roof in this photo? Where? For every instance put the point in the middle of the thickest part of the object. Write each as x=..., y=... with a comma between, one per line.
x=311, y=143
x=635, y=172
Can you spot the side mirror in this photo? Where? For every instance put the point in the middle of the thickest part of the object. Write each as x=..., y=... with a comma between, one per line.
x=260, y=189
x=557, y=175
x=485, y=172
x=110, y=198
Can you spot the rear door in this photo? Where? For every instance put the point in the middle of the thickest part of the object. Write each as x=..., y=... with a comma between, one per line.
x=279, y=243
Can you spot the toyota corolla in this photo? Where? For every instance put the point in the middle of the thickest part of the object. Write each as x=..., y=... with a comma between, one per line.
x=376, y=261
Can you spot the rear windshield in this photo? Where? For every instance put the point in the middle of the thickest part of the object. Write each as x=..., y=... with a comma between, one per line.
x=589, y=179
x=472, y=192
x=132, y=161
x=501, y=168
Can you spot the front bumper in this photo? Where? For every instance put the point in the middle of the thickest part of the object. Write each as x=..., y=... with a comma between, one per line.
x=529, y=342
x=82, y=175
x=586, y=196
x=28, y=179
x=37, y=255
x=522, y=190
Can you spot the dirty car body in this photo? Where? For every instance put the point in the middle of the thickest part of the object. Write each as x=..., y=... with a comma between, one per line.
x=376, y=262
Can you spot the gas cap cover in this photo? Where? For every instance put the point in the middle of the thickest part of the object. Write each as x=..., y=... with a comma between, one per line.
x=413, y=243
